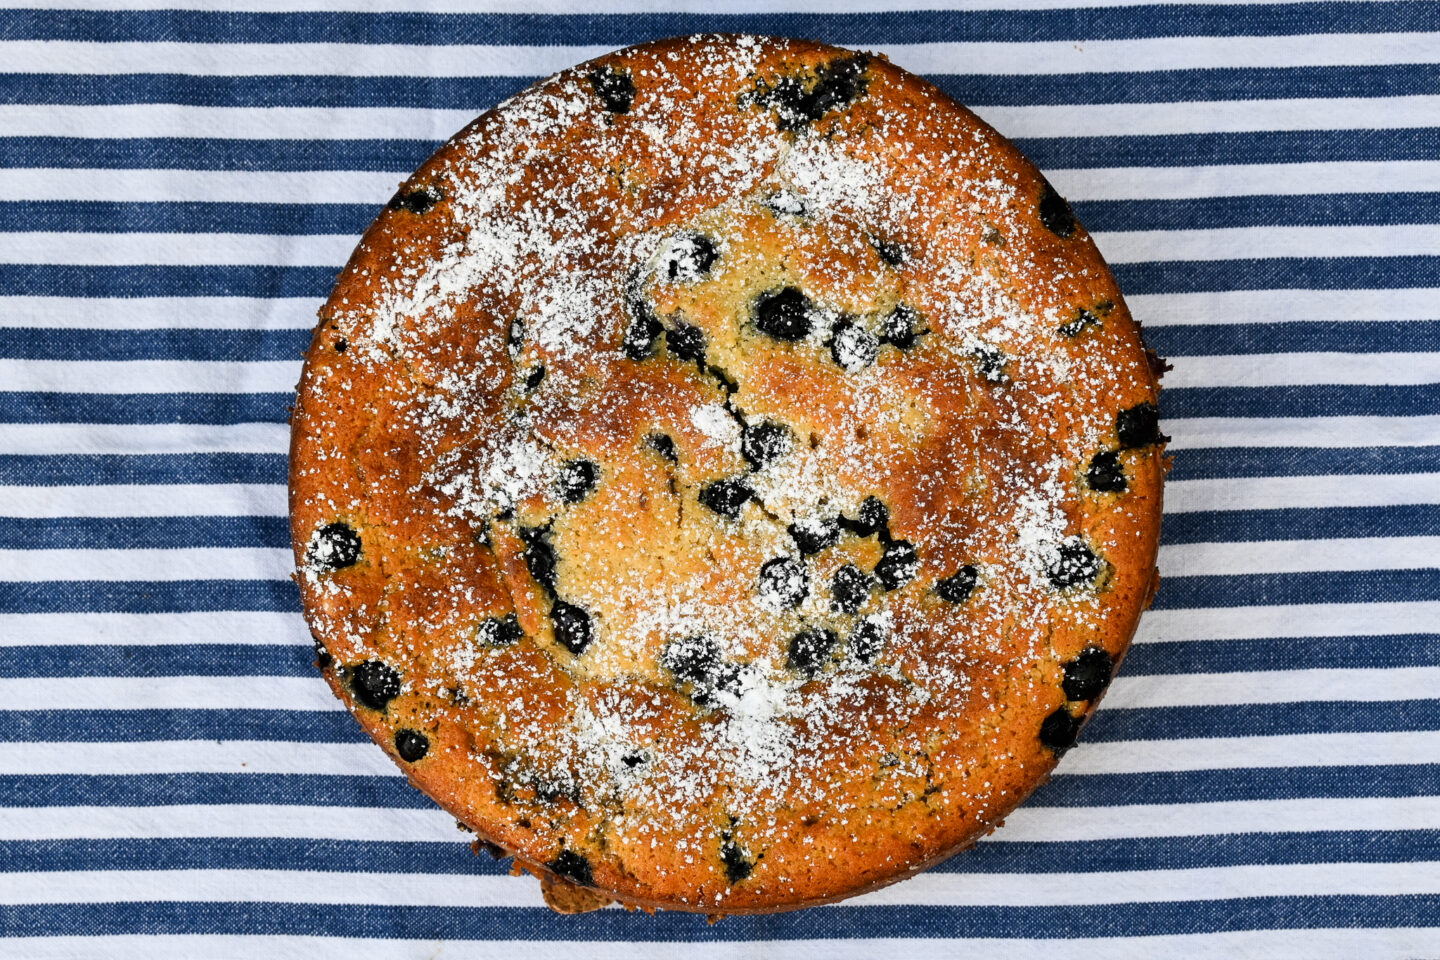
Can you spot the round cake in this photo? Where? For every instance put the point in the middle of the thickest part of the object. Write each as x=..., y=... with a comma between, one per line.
x=725, y=477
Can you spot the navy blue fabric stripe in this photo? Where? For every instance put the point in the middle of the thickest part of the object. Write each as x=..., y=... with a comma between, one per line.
x=833, y=923
x=395, y=792
x=170, y=596
x=1402, y=335
x=1312, y=523
x=1308, y=401
x=106, y=216
x=1210, y=526
x=87, y=469
x=147, y=596
x=1152, y=20
x=132, y=533
x=205, y=468
x=1167, y=276
x=456, y=857
x=1262, y=589
x=1211, y=463
x=1282, y=653
x=336, y=726
x=402, y=156
x=1176, y=403
x=60, y=343
x=480, y=93
x=202, y=657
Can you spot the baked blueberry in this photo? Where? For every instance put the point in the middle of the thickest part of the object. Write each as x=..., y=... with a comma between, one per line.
x=837, y=83
x=572, y=866
x=991, y=361
x=643, y=332
x=957, y=587
x=727, y=497
x=814, y=534
x=418, y=201
x=375, y=683
x=614, y=88
x=534, y=378
x=872, y=518
x=1055, y=213
x=334, y=546
x=810, y=648
x=784, y=582
x=1106, y=473
x=539, y=555
x=901, y=327
x=1075, y=563
x=573, y=626
x=898, y=564
x=322, y=656
x=1139, y=426
x=764, y=442
x=853, y=347
x=411, y=745
x=691, y=257
x=1087, y=676
x=1059, y=730
x=686, y=342
x=867, y=640
x=850, y=588
x=737, y=865
x=576, y=480
x=784, y=314
x=695, y=660
x=662, y=444
x=499, y=631
x=785, y=203
x=341, y=344
x=1083, y=319
x=892, y=253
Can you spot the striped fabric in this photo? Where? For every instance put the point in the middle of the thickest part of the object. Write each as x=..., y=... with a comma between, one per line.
x=179, y=187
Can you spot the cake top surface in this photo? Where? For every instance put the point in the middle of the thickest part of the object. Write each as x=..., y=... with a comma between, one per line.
x=726, y=457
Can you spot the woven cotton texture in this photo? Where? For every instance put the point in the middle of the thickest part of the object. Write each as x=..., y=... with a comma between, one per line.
x=178, y=189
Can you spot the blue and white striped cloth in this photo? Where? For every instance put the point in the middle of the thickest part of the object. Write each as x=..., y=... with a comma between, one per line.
x=177, y=190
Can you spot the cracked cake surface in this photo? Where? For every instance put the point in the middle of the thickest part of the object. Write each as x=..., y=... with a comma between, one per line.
x=725, y=476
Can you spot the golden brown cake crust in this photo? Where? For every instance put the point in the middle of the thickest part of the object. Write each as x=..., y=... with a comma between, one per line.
x=725, y=476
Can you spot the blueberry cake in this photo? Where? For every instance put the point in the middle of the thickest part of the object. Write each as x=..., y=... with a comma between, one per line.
x=725, y=477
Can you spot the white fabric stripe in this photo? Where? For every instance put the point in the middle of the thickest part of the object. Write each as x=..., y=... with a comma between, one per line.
x=1295, y=620
x=117, y=249
x=187, y=563
x=309, y=693
x=45, y=439
x=1243, y=180
x=159, y=313
x=171, y=693
x=1102, y=183
x=1194, y=432
x=1028, y=824
x=1279, y=556
x=281, y=376
x=1271, y=751
x=275, y=563
x=1311, y=944
x=1302, y=369
x=1283, y=306
x=1000, y=58
x=934, y=888
x=364, y=759
x=146, y=500
x=330, y=250
x=1144, y=246
x=1274, y=686
x=1031, y=120
x=1274, y=493
x=145, y=629
x=151, y=376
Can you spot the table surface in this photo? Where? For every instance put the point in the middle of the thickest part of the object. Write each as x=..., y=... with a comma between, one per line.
x=178, y=190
